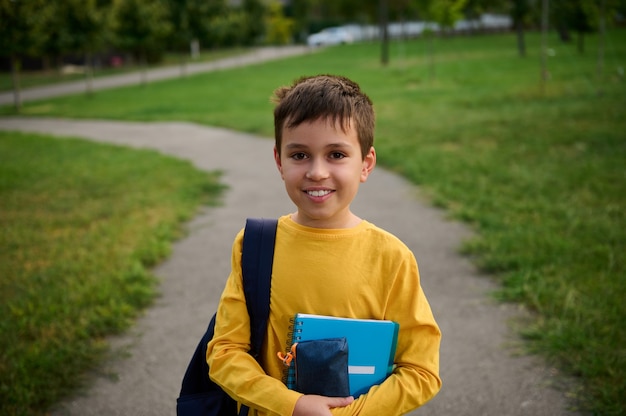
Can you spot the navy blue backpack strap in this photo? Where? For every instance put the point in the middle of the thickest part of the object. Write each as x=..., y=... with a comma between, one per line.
x=199, y=395
x=256, y=266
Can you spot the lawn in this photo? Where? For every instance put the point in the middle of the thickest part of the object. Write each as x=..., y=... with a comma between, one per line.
x=538, y=169
x=82, y=226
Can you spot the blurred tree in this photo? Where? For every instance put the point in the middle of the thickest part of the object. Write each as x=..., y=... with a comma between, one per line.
x=474, y=9
x=331, y=12
x=520, y=13
x=383, y=14
x=228, y=29
x=444, y=13
x=199, y=13
x=53, y=47
x=141, y=28
x=602, y=38
x=584, y=17
x=235, y=26
x=21, y=34
x=279, y=28
x=353, y=10
x=580, y=16
x=79, y=27
x=255, y=15
x=545, y=26
x=300, y=12
x=189, y=20
x=447, y=12
x=424, y=9
x=181, y=35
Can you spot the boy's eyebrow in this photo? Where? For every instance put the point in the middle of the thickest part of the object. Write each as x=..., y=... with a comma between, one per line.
x=295, y=146
x=292, y=146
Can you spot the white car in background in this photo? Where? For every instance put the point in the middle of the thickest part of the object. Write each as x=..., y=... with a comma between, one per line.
x=330, y=36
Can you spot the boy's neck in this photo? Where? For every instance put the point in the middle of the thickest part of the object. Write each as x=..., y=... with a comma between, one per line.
x=350, y=221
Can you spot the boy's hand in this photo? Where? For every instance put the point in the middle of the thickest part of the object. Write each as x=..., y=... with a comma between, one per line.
x=311, y=405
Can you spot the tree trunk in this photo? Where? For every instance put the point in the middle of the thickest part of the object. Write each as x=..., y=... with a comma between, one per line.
x=46, y=63
x=544, y=42
x=431, y=55
x=581, y=42
x=143, y=69
x=564, y=33
x=183, y=65
x=88, y=74
x=602, y=35
x=15, y=76
x=384, y=34
x=521, y=41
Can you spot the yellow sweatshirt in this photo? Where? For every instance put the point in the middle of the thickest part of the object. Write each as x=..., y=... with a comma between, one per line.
x=361, y=272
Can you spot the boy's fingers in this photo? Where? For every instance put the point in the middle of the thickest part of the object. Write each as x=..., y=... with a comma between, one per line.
x=313, y=405
x=339, y=401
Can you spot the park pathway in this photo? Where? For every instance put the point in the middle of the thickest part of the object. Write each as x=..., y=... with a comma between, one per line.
x=481, y=372
x=155, y=74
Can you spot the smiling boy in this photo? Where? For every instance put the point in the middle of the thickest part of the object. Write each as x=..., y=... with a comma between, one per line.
x=322, y=168
x=327, y=261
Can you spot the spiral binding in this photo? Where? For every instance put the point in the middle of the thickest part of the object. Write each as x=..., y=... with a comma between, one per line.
x=289, y=374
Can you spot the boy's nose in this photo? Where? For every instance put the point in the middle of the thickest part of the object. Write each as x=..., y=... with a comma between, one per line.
x=317, y=170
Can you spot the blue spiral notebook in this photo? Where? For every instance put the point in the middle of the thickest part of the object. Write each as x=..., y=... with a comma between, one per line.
x=371, y=346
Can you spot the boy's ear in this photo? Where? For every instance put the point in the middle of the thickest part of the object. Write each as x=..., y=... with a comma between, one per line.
x=368, y=164
x=279, y=164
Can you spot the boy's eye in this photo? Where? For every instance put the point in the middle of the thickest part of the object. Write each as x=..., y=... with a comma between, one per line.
x=337, y=155
x=298, y=156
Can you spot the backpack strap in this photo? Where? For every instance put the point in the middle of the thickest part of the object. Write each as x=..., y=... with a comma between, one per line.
x=257, y=258
x=256, y=266
x=199, y=395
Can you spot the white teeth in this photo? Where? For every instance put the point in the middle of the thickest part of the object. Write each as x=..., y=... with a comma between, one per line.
x=318, y=193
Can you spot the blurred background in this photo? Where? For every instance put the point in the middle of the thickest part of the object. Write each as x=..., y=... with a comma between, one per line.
x=508, y=115
x=69, y=38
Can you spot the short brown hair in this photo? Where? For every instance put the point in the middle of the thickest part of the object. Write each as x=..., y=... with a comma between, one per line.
x=330, y=97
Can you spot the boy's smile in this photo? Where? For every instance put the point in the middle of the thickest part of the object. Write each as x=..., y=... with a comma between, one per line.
x=322, y=167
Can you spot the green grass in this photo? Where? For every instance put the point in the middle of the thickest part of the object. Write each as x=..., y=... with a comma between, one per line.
x=538, y=170
x=82, y=223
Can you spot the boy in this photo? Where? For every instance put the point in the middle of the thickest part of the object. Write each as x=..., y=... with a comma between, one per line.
x=327, y=261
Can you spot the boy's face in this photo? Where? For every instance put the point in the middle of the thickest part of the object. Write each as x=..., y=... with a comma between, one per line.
x=322, y=168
